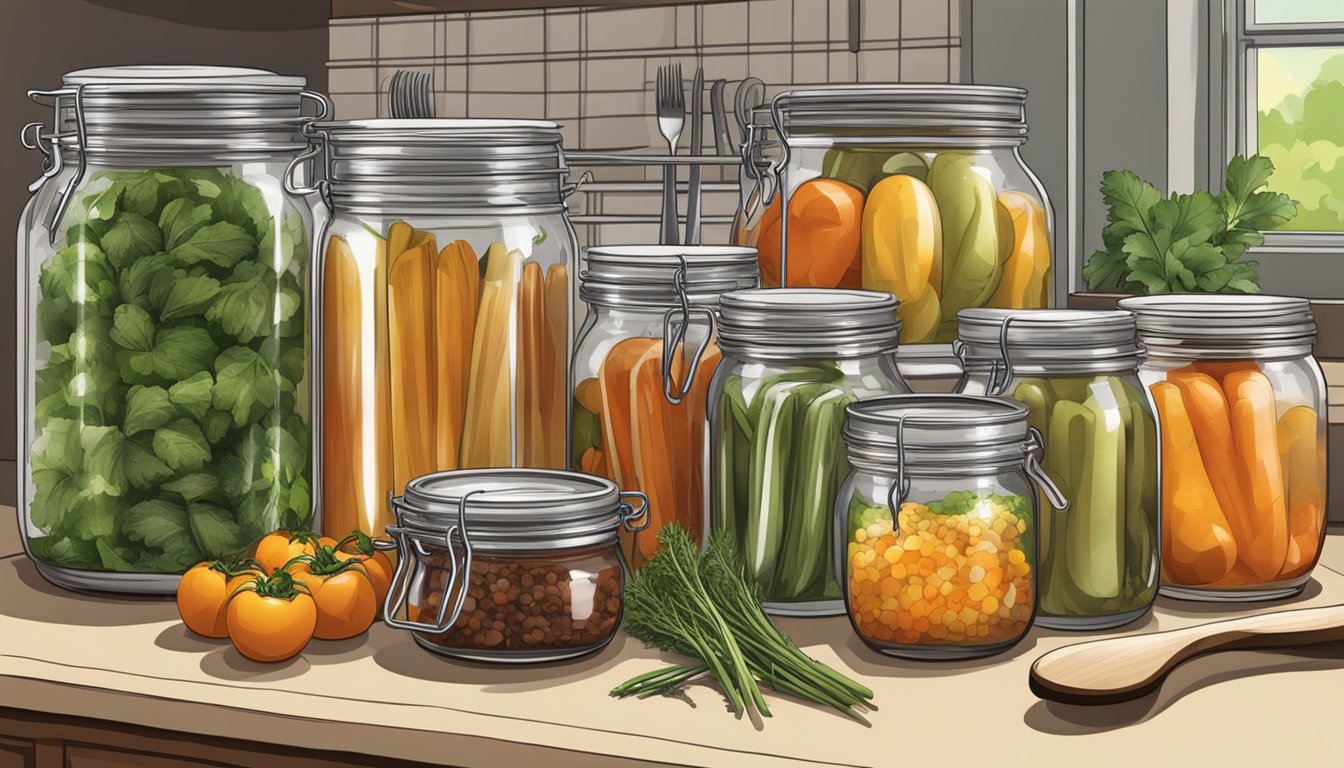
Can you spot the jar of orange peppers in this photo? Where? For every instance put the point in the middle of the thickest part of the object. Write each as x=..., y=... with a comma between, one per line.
x=642, y=366
x=1241, y=405
x=916, y=190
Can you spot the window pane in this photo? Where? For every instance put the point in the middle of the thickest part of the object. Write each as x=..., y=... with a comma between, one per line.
x=1298, y=11
x=1300, y=126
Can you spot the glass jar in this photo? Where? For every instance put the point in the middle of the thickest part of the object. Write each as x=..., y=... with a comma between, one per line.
x=916, y=190
x=164, y=285
x=1241, y=403
x=642, y=366
x=446, y=305
x=793, y=358
x=1078, y=374
x=510, y=565
x=937, y=524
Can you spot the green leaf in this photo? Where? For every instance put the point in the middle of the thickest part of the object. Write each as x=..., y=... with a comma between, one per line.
x=133, y=329
x=222, y=244
x=131, y=237
x=102, y=205
x=95, y=517
x=57, y=458
x=112, y=558
x=142, y=193
x=143, y=468
x=194, y=487
x=247, y=302
x=104, y=464
x=217, y=424
x=163, y=525
x=82, y=275
x=180, y=220
x=216, y=532
x=182, y=446
x=1130, y=200
x=245, y=385
x=193, y=395
x=178, y=353
x=1105, y=271
x=136, y=280
x=241, y=204
x=60, y=550
x=189, y=296
x=147, y=408
x=206, y=188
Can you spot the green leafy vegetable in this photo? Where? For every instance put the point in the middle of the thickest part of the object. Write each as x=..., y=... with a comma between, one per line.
x=168, y=408
x=1186, y=242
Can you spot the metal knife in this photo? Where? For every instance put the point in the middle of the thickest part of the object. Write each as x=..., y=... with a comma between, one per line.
x=697, y=140
x=723, y=140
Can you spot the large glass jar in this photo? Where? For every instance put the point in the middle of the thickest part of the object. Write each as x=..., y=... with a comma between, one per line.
x=164, y=287
x=916, y=190
x=937, y=523
x=642, y=366
x=1241, y=403
x=446, y=305
x=792, y=360
x=510, y=565
x=1078, y=374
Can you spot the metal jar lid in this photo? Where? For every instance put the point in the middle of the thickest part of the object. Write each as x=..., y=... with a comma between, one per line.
x=929, y=435
x=441, y=165
x=971, y=116
x=175, y=113
x=784, y=324
x=662, y=275
x=1221, y=326
x=1046, y=341
x=504, y=510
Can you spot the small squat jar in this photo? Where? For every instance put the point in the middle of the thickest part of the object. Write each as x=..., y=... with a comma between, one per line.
x=642, y=366
x=793, y=358
x=1077, y=373
x=510, y=565
x=937, y=521
x=1241, y=403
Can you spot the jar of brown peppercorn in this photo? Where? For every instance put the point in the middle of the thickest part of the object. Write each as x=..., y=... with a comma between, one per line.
x=510, y=565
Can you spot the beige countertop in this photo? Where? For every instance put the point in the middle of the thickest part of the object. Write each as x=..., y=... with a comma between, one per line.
x=130, y=660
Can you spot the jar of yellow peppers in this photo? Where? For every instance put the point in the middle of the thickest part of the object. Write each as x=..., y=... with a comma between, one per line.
x=445, y=308
x=1241, y=404
x=938, y=523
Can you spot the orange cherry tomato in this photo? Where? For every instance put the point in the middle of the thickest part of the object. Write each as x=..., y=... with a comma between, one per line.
x=270, y=620
x=203, y=595
x=377, y=565
x=346, y=601
x=824, y=235
x=277, y=549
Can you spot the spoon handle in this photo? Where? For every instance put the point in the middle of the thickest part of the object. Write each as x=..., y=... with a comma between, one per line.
x=1124, y=668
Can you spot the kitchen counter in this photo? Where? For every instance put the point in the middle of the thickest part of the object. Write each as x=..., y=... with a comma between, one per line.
x=131, y=661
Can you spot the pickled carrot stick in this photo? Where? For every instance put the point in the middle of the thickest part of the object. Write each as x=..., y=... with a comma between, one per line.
x=531, y=319
x=614, y=376
x=1250, y=397
x=659, y=460
x=1197, y=544
x=555, y=350
x=411, y=357
x=342, y=404
x=1304, y=469
x=487, y=437
x=375, y=514
x=694, y=409
x=457, y=281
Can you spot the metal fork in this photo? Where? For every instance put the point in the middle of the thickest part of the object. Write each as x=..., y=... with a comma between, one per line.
x=670, y=94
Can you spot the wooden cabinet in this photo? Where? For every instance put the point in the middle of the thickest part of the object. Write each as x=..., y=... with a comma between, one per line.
x=35, y=740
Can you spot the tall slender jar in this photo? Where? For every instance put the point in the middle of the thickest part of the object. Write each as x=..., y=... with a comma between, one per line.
x=642, y=367
x=164, y=382
x=793, y=358
x=1078, y=374
x=1241, y=401
x=446, y=308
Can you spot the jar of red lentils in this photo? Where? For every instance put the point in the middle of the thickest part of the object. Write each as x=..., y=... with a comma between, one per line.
x=510, y=565
x=938, y=517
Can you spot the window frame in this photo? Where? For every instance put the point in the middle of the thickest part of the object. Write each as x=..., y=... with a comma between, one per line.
x=1301, y=254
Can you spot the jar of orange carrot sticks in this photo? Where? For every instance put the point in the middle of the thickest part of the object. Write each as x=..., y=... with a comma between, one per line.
x=642, y=366
x=1241, y=405
x=445, y=305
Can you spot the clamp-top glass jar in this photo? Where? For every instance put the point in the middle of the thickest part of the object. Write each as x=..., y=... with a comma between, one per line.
x=642, y=366
x=510, y=565
x=164, y=281
x=793, y=358
x=1078, y=374
x=1241, y=403
x=446, y=305
x=917, y=190
x=937, y=522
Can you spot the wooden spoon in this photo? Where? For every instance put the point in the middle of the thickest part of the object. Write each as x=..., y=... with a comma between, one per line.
x=1124, y=668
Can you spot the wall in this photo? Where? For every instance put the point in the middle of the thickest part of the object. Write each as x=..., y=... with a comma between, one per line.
x=592, y=70
x=41, y=39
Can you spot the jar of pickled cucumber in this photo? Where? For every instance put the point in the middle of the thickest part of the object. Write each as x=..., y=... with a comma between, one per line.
x=642, y=366
x=937, y=524
x=164, y=378
x=916, y=190
x=793, y=358
x=446, y=310
x=1077, y=373
x=1241, y=403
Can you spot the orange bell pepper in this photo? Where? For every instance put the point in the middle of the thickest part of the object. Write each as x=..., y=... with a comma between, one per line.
x=825, y=217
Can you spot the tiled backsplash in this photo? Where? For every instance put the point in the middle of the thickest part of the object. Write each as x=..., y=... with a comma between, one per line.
x=592, y=69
